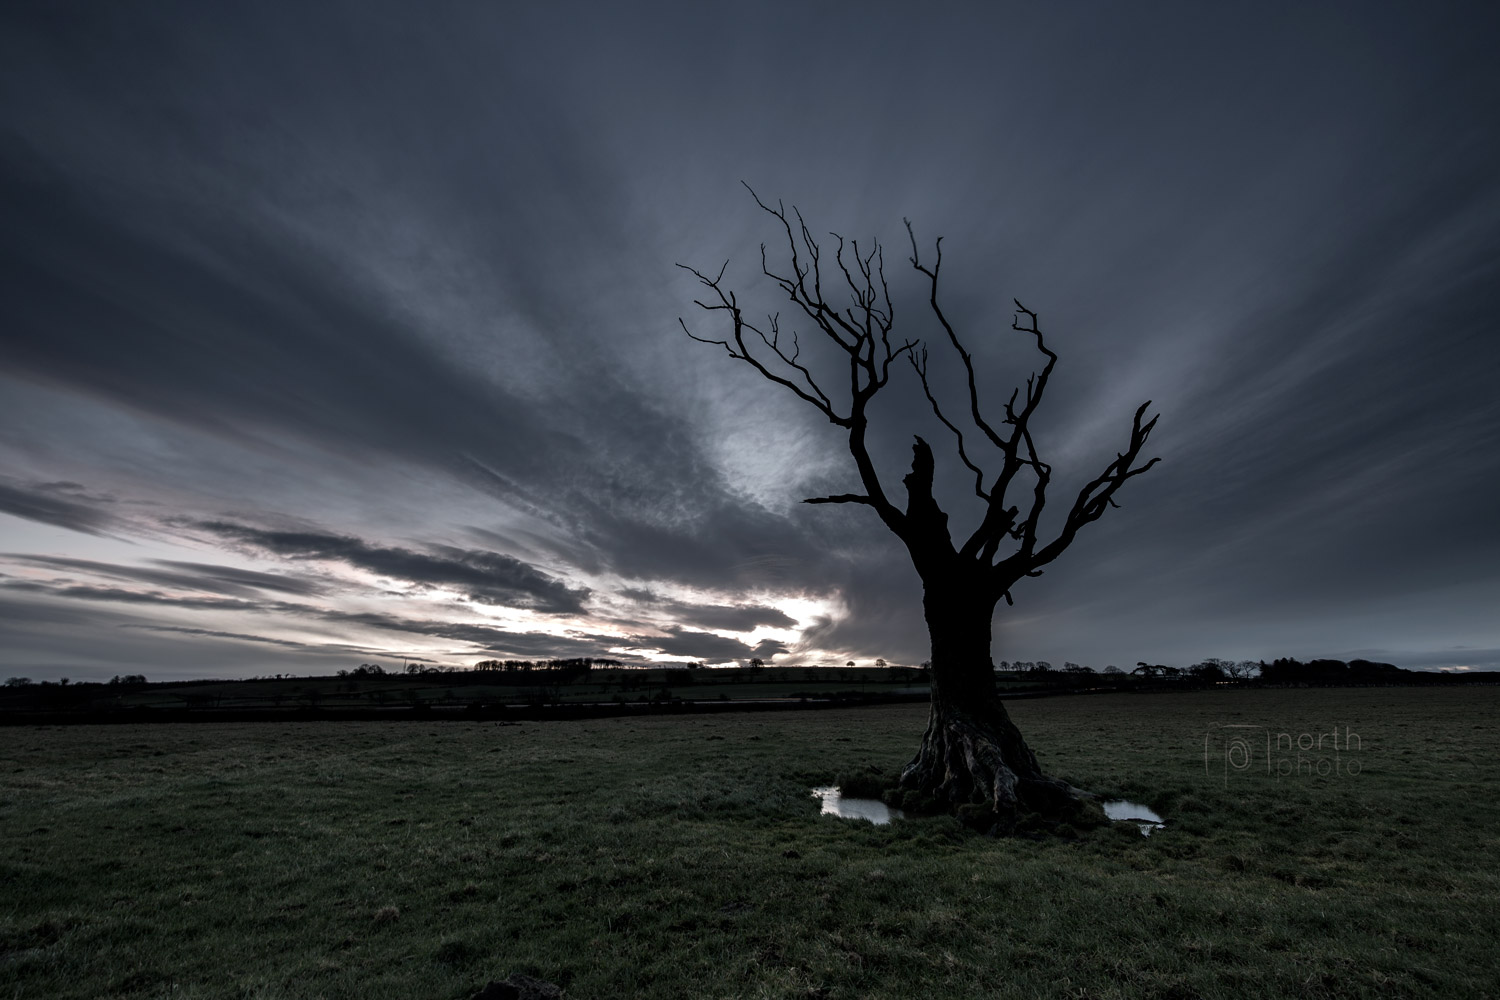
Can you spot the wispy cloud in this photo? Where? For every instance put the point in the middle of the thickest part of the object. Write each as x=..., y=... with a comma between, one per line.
x=493, y=639
x=188, y=575
x=724, y=617
x=55, y=503
x=489, y=577
x=79, y=592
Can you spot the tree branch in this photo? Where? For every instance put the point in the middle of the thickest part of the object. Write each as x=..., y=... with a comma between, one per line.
x=928, y=524
x=1093, y=499
x=932, y=276
x=727, y=303
x=920, y=367
x=861, y=329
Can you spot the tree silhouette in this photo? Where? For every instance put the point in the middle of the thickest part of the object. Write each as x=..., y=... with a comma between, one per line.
x=971, y=752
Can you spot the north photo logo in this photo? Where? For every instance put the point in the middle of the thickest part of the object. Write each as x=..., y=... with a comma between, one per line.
x=1236, y=748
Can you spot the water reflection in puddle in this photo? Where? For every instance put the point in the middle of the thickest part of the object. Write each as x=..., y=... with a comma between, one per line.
x=1134, y=812
x=835, y=804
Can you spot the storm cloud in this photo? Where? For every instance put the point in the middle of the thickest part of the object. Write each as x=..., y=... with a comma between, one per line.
x=697, y=645
x=485, y=576
x=50, y=503
x=729, y=618
x=326, y=328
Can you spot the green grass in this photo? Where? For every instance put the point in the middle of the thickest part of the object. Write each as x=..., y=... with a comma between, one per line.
x=683, y=857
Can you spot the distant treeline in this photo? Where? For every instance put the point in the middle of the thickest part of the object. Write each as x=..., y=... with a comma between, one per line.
x=501, y=671
x=1287, y=671
x=577, y=664
x=599, y=679
x=1281, y=672
x=541, y=671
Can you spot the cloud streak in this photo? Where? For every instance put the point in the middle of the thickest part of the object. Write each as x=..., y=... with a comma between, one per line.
x=227, y=580
x=49, y=503
x=488, y=577
x=377, y=295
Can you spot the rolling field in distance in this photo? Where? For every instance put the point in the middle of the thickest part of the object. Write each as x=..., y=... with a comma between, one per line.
x=683, y=856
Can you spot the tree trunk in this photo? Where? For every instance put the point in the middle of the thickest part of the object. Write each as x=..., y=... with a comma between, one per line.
x=973, y=759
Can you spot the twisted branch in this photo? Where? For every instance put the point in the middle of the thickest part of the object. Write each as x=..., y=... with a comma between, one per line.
x=861, y=330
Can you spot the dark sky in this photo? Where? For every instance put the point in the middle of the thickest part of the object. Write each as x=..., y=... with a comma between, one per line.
x=338, y=333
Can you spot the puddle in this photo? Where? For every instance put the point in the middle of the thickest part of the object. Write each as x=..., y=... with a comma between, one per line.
x=877, y=812
x=1134, y=812
x=835, y=804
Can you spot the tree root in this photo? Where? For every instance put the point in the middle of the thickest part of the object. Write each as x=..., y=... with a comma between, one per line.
x=978, y=766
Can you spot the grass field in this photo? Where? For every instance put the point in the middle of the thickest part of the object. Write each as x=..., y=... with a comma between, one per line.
x=683, y=857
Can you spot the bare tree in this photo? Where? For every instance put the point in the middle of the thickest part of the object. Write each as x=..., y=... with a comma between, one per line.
x=971, y=752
